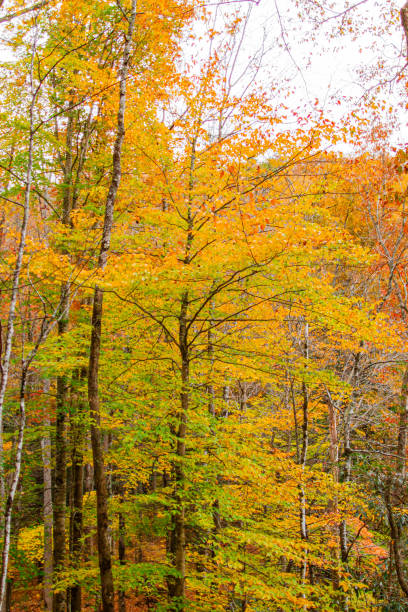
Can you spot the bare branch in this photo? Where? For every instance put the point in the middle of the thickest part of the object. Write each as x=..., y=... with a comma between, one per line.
x=33, y=7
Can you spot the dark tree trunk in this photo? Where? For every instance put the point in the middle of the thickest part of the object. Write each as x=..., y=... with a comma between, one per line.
x=76, y=496
x=104, y=552
x=122, y=558
x=60, y=490
x=60, y=486
x=104, y=549
x=176, y=584
x=47, y=508
x=395, y=539
x=403, y=426
x=88, y=486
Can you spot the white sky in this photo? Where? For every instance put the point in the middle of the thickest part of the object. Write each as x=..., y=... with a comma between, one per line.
x=328, y=67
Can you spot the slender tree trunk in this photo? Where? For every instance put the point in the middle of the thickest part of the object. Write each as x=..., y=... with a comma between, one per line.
x=210, y=387
x=403, y=427
x=3, y=214
x=395, y=539
x=5, y=364
x=88, y=486
x=295, y=420
x=346, y=478
x=77, y=495
x=176, y=584
x=106, y=445
x=334, y=468
x=211, y=409
x=104, y=551
x=8, y=596
x=13, y=489
x=347, y=469
x=60, y=491
x=59, y=604
x=404, y=22
x=67, y=186
x=348, y=416
x=47, y=508
x=5, y=361
x=60, y=473
x=102, y=517
x=303, y=458
x=122, y=558
x=334, y=441
x=81, y=158
x=302, y=495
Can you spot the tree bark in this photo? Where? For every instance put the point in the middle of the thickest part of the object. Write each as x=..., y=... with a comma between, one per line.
x=60, y=489
x=13, y=489
x=403, y=427
x=77, y=495
x=395, y=540
x=47, y=508
x=122, y=558
x=88, y=486
x=210, y=350
x=24, y=11
x=303, y=458
x=176, y=584
x=5, y=365
x=348, y=415
x=404, y=22
x=104, y=551
x=60, y=474
x=334, y=468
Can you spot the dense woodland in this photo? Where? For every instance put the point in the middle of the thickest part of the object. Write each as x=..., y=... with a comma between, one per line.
x=203, y=312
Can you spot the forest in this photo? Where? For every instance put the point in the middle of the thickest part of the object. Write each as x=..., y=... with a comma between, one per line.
x=203, y=306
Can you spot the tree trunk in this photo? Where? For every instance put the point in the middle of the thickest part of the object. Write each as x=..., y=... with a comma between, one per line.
x=346, y=478
x=5, y=364
x=13, y=489
x=395, y=539
x=348, y=416
x=404, y=22
x=176, y=584
x=334, y=468
x=5, y=361
x=47, y=508
x=60, y=598
x=60, y=474
x=122, y=558
x=88, y=486
x=3, y=214
x=295, y=420
x=104, y=552
x=303, y=458
x=8, y=596
x=210, y=386
x=402, y=427
x=302, y=495
x=77, y=494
